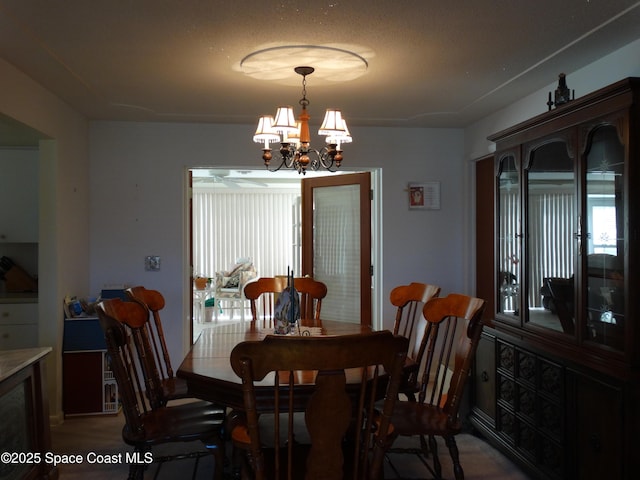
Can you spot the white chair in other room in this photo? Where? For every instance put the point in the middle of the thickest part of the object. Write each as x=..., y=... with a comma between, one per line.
x=229, y=288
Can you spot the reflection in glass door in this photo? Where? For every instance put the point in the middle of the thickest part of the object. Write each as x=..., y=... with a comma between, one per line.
x=551, y=230
x=509, y=244
x=605, y=238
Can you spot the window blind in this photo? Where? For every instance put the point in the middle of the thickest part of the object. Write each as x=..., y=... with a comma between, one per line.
x=232, y=224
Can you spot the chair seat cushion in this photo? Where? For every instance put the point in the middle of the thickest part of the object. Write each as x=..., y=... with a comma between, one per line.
x=186, y=422
x=411, y=418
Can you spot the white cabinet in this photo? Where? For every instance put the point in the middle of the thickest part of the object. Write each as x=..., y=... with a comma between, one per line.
x=19, y=195
x=18, y=325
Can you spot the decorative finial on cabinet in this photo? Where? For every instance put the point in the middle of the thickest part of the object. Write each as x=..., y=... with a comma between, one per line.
x=562, y=93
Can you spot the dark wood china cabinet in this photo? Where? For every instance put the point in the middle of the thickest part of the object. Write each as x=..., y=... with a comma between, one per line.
x=557, y=373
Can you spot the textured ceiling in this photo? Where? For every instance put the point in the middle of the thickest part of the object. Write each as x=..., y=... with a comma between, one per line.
x=429, y=63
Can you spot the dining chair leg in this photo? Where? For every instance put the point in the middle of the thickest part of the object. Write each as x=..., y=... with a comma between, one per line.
x=433, y=446
x=424, y=446
x=453, y=450
x=240, y=448
x=136, y=469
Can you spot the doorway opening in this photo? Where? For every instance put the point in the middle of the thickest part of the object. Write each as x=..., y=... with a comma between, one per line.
x=247, y=219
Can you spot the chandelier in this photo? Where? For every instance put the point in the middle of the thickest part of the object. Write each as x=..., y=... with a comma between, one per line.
x=295, y=151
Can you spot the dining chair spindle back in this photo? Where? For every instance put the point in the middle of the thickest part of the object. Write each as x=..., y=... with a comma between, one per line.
x=339, y=414
x=451, y=335
x=148, y=421
x=409, y=301
x=172, y=386
x=263, y=292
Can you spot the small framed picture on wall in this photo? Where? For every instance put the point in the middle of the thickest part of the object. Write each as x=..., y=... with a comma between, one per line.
x=424, y=196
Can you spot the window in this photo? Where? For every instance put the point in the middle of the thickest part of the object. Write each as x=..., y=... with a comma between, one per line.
x=603, y=236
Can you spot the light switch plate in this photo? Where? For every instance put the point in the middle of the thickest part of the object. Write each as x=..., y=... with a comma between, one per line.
x=152, y=263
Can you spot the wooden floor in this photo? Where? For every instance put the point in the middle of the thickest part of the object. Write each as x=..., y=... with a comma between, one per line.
x=101, y=435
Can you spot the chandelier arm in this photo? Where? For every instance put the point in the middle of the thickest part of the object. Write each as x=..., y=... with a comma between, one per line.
x=328, y=165
x=270, y=169
x=287, y=158
x=314, y=164
x=322, y=159
x=326, y=157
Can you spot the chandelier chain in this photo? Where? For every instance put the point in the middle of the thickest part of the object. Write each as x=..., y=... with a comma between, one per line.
x=303, y=101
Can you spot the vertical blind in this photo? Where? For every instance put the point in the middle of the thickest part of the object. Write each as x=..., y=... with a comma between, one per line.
x=550, y=238
x=509, y=248
x=336, y=250
x=232, y=224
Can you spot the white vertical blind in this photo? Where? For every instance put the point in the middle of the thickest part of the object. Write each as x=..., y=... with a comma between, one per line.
x=509, y=226
x=232, y=224
x=336, y=249
x=509, y=241
x=551, y=240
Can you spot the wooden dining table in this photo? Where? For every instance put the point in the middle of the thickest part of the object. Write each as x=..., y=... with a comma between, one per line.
x=207, y=368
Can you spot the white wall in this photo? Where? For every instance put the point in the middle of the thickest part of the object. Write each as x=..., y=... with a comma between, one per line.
x=138, y=202
x=64, y=207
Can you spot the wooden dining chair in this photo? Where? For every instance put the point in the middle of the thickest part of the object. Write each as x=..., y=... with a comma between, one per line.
x=149, y=422
x=451, y=336
x=311, y=294
x=172, y=386
x=351, y=372
x=409, y=301
x=262, y=292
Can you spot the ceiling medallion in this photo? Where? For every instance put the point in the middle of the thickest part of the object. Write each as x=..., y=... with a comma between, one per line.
x=331, y=63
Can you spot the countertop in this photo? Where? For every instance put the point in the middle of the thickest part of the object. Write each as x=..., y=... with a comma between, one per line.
x=12, y=361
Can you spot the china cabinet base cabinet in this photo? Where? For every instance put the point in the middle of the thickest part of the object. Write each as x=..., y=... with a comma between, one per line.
x=557, y=373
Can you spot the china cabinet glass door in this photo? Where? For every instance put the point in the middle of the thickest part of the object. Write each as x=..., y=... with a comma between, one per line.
x=551, y=237
x=509, y=245
x=604, y=238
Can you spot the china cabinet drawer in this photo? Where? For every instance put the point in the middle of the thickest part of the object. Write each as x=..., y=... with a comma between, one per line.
x=18, y=336
x=18, y=313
